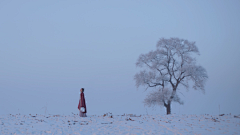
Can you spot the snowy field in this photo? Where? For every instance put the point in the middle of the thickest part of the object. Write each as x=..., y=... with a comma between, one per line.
x=120, y=124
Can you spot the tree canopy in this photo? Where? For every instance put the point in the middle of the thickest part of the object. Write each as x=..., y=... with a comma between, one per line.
x=171, y=64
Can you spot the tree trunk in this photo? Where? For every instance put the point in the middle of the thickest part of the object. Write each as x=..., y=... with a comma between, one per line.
x=168, y=108
x=168, y=105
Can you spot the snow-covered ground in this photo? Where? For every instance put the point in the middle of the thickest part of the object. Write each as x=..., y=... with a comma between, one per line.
x=120, y=124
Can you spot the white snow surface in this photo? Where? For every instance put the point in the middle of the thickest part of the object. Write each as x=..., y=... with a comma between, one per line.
x=19, y=124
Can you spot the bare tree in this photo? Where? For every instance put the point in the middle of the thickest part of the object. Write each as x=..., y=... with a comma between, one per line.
x=171, y=64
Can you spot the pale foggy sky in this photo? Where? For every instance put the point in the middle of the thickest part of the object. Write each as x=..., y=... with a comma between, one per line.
x=50, y=49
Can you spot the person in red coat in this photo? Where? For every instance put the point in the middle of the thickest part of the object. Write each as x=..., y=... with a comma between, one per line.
x=82, y=104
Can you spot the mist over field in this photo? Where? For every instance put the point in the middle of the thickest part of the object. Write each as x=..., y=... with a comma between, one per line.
x=51, y=49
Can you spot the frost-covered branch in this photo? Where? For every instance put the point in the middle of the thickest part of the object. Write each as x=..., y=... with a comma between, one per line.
x=161, y=97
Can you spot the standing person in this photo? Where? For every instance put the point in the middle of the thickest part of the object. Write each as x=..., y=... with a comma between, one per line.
x=82, y=104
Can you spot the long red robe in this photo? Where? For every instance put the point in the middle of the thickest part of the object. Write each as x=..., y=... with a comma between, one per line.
x=82, y=102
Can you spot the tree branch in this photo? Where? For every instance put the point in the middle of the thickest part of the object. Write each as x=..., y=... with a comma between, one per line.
x=156, y=84
x=172, y=69
x=164, y=103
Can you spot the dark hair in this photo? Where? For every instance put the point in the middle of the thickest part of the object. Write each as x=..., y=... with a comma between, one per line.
x=82, y=89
